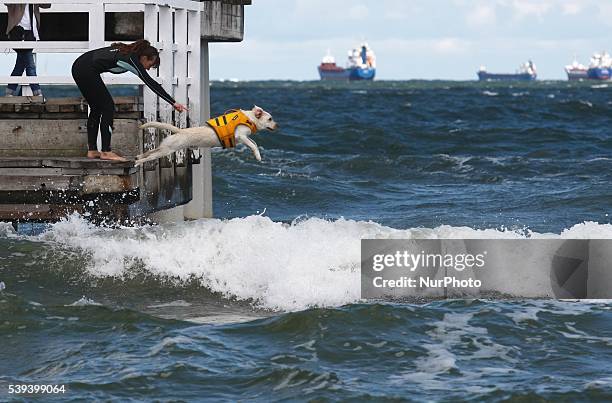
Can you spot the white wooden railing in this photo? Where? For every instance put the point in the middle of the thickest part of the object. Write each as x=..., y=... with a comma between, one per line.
x=179, y=72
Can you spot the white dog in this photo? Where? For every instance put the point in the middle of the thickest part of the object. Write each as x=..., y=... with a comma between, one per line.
x=244, y=124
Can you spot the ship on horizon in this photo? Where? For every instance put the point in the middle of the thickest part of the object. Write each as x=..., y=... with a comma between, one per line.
x=576, y=71
x=361, y=65
x=526, y=72
x=600, y=68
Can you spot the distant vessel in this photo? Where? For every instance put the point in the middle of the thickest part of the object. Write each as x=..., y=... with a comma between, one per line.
x=361, y=65
x=526, y=72
x=600, y=67
x=329, y=70
x=576, y=71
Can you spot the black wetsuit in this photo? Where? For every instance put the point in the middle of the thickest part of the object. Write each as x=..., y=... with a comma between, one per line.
x=86, y=71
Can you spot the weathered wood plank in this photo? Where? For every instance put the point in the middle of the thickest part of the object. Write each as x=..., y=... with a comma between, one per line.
x=71, y=196
x=42, y=152
x=20, y=116
x=125, y=107
x=103, y=171
x=20, y=162
x=84, y=184
x=40, y=171
x=20, y=100
x=55, y=212
x=20, y=171
x=93, y=184
x=65, y=100
x=30, y=183
x=85, y=163
x=62, y=137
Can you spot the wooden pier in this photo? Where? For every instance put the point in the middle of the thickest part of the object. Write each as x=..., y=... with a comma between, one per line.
x=44, y=175
x=43, y=172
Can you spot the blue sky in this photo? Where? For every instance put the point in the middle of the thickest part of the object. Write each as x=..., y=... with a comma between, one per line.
x=444, y=39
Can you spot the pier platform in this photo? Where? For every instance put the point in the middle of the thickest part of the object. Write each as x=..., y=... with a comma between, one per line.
x=39, y=138
x=44, y=174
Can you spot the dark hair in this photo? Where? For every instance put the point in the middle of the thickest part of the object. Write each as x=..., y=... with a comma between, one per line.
x=141, y=47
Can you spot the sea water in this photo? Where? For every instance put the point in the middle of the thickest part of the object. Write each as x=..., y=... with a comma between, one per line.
x=263, y=302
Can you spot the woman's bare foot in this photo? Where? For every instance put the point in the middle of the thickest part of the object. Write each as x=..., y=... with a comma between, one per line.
x=111, y=156
x=93, y=154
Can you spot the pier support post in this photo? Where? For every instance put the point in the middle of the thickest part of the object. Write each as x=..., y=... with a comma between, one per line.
x=201, y=203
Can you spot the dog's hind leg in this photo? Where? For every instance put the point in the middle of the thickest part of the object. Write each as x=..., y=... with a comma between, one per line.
x=168, y=146
x=154, y=154
x=145, y=154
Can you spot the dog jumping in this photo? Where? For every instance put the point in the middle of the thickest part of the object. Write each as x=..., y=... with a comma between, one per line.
x=224, y=131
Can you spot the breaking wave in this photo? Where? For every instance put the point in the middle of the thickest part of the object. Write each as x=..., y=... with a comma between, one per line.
x=308, y=263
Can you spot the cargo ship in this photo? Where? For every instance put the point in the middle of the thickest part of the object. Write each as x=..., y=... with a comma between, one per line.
x=361, y=65
x=576, y=71
x=526, y=72
x=600, y=67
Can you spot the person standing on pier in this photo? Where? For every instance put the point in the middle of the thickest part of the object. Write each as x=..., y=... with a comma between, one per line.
x=24, y=25
x=137, y=58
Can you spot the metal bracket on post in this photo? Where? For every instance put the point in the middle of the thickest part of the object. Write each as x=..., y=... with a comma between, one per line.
x=193, y=159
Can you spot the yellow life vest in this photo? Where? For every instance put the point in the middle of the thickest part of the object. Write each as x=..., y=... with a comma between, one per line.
x=225, y=126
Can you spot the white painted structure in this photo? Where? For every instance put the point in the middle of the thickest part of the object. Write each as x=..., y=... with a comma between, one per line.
x=175, y=28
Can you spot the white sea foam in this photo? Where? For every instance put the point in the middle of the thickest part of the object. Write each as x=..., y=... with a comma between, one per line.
x=313, y=262
x=169, y=342
x=179, y=302
x=602, y=383
x=524, y=315
x=580, y=335
x=84, y=301
x=7, y=230
x=447, y=339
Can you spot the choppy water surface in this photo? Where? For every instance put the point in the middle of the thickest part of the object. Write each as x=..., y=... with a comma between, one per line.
x=408, y=154
x=264, y=301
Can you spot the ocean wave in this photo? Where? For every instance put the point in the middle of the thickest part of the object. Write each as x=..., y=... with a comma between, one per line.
x=456, y=349
x=308, y=263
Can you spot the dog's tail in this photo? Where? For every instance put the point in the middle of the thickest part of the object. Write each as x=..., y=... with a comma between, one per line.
x=163, y=126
